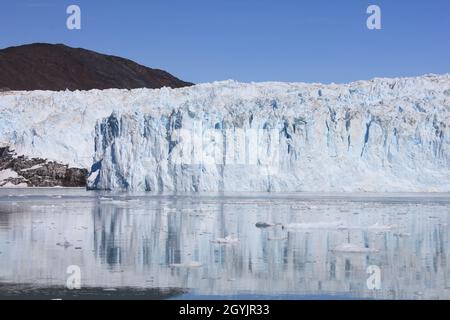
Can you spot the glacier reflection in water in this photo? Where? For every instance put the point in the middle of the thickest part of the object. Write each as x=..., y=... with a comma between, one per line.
x=211, y=245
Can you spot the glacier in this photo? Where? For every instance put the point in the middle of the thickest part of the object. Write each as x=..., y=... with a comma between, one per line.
x=381, y=135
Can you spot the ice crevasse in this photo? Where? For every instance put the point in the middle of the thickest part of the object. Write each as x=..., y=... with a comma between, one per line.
x=378, y=135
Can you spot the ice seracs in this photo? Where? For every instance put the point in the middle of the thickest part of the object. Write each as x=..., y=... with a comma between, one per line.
x=379, y=135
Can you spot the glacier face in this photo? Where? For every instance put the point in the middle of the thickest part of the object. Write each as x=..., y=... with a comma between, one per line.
x=378, y=135
x=385, y=135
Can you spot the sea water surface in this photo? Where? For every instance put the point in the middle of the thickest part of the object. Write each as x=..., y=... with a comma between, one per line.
x=227, y=246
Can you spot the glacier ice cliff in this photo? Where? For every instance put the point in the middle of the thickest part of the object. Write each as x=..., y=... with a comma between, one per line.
x=379, y=135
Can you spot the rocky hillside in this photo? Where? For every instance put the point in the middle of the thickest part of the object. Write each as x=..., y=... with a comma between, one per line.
x=59, y=67
x=21, y=171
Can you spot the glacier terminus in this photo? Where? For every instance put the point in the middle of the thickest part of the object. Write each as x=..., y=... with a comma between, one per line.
x=382, y=135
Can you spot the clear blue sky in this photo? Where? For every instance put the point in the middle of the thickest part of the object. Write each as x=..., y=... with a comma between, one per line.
x=247, y=40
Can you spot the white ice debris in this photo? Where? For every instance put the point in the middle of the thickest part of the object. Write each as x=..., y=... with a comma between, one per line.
x=381, y=135
x=353, y=248
x=377, y=227
x=276, y=238
x=190, y=264
x=226, y=240
x=337, y=225
x=314, y=226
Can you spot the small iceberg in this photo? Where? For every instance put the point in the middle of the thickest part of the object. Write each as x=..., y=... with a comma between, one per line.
x=375, y=227
x=191, y=264
x=353, y=248
x=314, y=226
x=276, y=238
x=226, y=240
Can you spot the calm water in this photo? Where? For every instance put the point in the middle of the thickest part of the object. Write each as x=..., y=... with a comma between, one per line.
x=146, y=246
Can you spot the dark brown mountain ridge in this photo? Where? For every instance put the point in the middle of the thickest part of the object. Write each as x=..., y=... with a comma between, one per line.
x=56, y=67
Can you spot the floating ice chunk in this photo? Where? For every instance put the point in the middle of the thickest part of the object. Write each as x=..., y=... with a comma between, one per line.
x=119, y=202
x=353, y=248
x=314, y=226
x=380, y=227
x=401, y=234
x=377, y=227
x=276, y=238
x=226, y=240
x=190, y=264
